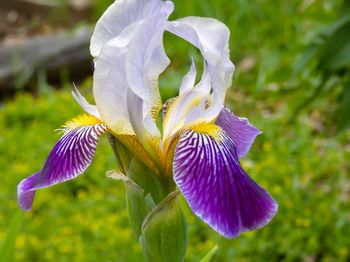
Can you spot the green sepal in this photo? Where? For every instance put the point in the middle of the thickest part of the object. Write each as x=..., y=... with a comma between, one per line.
x=122, y=155
x=138, y=203
x=164, y=231
x=209, y=255
x=143, y=191
x=146, y=179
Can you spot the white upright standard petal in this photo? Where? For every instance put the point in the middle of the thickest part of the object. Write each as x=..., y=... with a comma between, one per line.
x=120, y=15
x=189, y=79
x=110, y=85
x=142, y=124
x=211, y=37
x=187, y=99
x=146, y=60
x=191, y=104
x=132, y=60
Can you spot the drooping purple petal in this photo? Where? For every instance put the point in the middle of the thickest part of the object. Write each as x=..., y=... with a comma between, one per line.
x=69, y=158
x=240, y=130
x=218, y=190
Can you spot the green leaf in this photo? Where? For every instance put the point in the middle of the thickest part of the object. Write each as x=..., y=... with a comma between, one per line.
x=310, y=53
x=336, y=50
x=343, y=113
x=210, y=255
x=7, y=249
x=332, y=28
x=164, y=231
x=330, y=48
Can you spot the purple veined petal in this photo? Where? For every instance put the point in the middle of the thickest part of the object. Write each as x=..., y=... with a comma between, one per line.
x=240, y=130
x=218, y=190
x=120, y=15
x=69, y=158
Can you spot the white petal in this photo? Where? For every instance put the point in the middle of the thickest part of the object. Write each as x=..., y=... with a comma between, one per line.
x=110, y=85
x=178, y=111
x=119, y=16
x=142, y=126
x=205, y=84
x=146, y=59
x=191, y=106
x=189, y=79
x=211, y=37
x=132, y=60
x=86, y=106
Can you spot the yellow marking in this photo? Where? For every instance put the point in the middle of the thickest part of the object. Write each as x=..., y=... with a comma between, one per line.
x=168, y=155
x=209, y=129
x=132, y=143
x=173, y=110
x=81, y=120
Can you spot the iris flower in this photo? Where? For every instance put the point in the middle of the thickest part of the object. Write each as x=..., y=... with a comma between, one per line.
x=201, y=141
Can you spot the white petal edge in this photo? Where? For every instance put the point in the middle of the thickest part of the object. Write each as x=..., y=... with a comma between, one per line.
x=120, y=15
x=85, y=105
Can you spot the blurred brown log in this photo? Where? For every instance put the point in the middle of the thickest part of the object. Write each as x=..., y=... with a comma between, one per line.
x=68, y=51
x=77, y=8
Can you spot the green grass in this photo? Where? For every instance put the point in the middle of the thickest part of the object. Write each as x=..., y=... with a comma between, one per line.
x=303, y=164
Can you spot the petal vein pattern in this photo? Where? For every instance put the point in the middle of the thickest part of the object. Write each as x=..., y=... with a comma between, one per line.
x=218, y=190
x=69, y=158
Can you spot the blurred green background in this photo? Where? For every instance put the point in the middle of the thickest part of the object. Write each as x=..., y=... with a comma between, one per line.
x=292, y=62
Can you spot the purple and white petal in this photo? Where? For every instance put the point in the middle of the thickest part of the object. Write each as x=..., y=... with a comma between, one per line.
x=218, y=190
x=120, y=15
x=69, y=158
x=240, y=130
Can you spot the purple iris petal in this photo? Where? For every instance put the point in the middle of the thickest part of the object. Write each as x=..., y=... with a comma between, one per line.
x=239, y=129
x=69, y=158
x=218, y=190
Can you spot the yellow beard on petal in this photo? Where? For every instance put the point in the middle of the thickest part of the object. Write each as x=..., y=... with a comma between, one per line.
x=81, y=120
x=210, y=129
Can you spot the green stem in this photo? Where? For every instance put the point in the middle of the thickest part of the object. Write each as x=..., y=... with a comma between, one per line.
x=113, y=141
